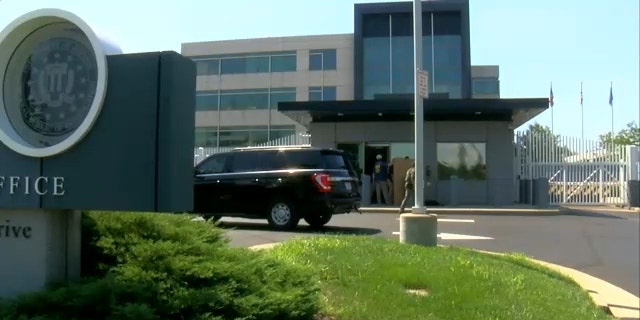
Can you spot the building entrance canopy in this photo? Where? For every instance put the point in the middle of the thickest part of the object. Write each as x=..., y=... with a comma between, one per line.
x=515, y=111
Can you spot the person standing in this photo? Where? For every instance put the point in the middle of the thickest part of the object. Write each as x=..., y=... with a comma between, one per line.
x=409, y=183
x=380, y=177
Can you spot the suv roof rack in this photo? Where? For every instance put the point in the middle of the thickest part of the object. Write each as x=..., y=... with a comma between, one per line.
x=301, y=146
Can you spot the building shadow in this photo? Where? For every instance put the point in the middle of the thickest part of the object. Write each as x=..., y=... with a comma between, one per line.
x=302, y=228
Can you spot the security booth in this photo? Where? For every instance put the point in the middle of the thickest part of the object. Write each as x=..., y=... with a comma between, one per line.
x=469, y=143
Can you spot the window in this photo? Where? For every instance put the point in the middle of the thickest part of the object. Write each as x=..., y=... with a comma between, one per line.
x=276, y=133
x=215, y=164
x=244, y=100
x=207, y=67
x=243, y=136
x=485, y=86
x=281, y=97
x=447, y=52
x=303, y=159
x=206, y=137
x=322, y=59
x=352, y=152
x=232, y=138
x=240, y=136
x=387, y=54
x=322, y=93
x=259, y=62
x=283, y=63
x=245, y=161
x=206, y=102
x=465, y=160
x=376, y=67
x=335, y=161
x=244, y=65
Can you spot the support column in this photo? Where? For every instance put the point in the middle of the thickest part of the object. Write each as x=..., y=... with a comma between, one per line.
x=38, y=248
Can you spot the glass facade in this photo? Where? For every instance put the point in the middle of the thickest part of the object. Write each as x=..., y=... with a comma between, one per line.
x=465, y=160
x=245, y=99
x=324, y=59
x=322, y=93
x=388, y=53
x=247, y=63
x=485, y=86
x=239, y=136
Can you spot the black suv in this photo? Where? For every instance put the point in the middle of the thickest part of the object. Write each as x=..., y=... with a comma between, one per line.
x=281, y=184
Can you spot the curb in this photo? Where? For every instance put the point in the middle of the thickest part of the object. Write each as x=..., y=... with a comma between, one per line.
x=624, y=306
x=614, y=300
x=475, y=211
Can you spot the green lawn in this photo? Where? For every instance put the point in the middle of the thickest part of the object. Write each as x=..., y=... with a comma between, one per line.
x=370, y=278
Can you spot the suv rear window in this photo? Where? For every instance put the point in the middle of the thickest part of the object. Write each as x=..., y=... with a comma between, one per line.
x=300, y=159
x=334, y=161
x=289, y=159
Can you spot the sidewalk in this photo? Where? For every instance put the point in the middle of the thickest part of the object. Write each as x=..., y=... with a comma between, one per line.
x=473, y=210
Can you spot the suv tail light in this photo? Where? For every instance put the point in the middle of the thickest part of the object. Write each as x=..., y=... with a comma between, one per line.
x=321, y=181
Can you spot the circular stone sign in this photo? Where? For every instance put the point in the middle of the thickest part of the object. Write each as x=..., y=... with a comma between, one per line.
x=53, y=80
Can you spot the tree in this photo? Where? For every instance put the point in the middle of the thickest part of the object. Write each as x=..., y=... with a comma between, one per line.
x=539, y=144
x=627, y=136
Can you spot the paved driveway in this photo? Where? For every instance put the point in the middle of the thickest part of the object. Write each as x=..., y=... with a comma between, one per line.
x=604, y=244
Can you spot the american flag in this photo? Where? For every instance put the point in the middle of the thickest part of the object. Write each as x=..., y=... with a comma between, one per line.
x=581, y=97
x=551, y=95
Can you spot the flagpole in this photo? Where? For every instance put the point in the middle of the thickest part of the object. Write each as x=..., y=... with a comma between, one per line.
x=551, y=103
x=611, y=106
x=581, y=113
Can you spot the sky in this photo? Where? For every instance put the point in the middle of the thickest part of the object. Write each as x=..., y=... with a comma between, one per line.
x=535, y=42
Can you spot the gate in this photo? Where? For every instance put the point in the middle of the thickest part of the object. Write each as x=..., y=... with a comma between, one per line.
x=579, y=172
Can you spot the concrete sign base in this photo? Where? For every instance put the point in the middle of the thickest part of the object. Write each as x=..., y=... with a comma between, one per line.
x=420, y=229
x=38, y=247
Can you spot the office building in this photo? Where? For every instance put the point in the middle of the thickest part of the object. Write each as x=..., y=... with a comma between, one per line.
x=355, y=92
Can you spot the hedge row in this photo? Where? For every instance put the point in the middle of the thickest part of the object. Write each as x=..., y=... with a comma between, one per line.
x=160, y=266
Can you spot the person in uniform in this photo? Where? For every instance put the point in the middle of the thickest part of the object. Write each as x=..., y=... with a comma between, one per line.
x=409, y=183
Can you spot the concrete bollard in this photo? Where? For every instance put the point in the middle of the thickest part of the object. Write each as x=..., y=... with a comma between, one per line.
x=420, y=229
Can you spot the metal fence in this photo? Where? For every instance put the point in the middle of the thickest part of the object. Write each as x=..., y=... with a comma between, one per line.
x=202, y=153
x=579, y=171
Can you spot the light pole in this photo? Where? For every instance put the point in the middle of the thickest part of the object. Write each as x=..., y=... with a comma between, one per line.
x=418, y=227
x=419, y=110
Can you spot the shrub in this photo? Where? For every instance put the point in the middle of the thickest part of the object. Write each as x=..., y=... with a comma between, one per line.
x=159, y=266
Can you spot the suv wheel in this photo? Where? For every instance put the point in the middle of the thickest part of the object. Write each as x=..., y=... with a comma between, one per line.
x=317, y=221
x=282, y=215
